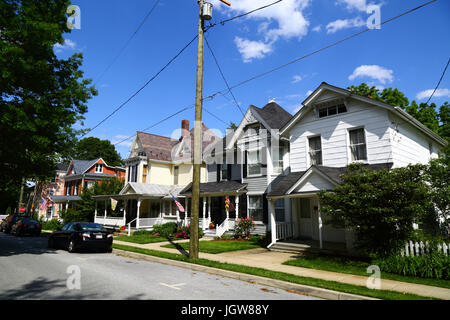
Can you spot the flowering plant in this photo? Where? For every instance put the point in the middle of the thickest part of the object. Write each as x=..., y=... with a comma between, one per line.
x=243, y=228
x=185, y=232
x=211, y=225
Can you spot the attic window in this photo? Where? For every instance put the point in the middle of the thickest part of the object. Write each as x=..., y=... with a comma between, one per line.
x=331, y=111
x=142, y=154
x=98, y=168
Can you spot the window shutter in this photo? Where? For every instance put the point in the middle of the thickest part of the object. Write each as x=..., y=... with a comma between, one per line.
x=244, y=168
x=218, y=172
x=229, y=172
x=265, y=210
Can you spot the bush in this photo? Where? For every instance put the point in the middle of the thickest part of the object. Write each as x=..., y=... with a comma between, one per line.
x=434, y=265
x=71, y=215
x=167, y=230
x=52, y=224
x=142, y=232
x=243, y=228
x=185, y=233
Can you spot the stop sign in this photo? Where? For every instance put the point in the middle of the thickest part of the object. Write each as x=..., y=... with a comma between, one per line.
x=22, y=209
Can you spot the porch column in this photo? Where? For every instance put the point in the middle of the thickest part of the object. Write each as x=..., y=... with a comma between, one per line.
x=209, y=211
x=236, y=202
x=137, y=212
x=273, y=226
x=186, y=212
x=106, y=205
x=320, y=225
x=203, y=214
x=67, y=205
x=125, y=205
x=95, y=211
x=177, y=212
x=227, y=217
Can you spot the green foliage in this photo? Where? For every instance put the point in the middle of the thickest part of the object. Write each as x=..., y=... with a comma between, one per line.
x=142, y=232
x=243, y=227
x=391, y=96
x=167, y=230
x=434, y=265
x=42, y=96
x=52, y=224
x=380, y=206
x=184, y=232
x=71, y=215
x=91, y=148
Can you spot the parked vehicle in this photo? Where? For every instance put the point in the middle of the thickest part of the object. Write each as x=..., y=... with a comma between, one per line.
x=25, y=226
x=81, y=235
x=9, y=222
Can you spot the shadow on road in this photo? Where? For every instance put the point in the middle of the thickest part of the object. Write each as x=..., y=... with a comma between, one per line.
x=12, y=245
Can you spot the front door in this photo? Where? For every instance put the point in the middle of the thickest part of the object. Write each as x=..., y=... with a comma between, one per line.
x=305, y=218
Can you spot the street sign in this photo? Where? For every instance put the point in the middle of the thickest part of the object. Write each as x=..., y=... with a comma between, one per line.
x=21, y=209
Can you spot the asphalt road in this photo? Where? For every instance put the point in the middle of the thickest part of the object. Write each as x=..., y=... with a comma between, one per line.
x=29, y=270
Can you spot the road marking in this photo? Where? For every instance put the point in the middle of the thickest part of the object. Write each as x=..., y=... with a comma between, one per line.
x=173, y=286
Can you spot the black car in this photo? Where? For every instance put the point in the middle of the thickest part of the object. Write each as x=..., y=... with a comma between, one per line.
x=9, y=221
x=81, y=235
x=25, y=226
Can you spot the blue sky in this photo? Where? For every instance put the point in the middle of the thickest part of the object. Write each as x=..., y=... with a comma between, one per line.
x=408, y=53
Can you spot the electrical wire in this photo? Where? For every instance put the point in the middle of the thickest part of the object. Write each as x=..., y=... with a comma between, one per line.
x=439, y=83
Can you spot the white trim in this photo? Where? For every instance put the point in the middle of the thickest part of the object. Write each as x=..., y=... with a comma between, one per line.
x=306, y=176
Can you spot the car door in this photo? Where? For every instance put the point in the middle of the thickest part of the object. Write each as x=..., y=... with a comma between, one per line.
x=59, y=236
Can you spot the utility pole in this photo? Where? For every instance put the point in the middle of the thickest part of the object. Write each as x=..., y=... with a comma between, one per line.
x=198, y=135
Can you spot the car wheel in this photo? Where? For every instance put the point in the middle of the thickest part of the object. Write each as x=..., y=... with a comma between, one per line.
x=71, y=246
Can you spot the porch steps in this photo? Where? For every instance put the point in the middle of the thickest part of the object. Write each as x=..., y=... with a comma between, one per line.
x=293, y=247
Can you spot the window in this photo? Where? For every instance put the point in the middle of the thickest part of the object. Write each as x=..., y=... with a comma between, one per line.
x=358, y=147
x=331, y=111
x=223, y=172
x=144, y=174
x=279, y=210
x=98, y=168
x=176, y=170
x=132, y=173
x=278, y=162
x=142, y=154
x=255, y=207
x=254, y=163
x=315, y=151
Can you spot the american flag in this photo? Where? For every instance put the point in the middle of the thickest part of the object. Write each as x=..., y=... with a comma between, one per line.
x=43, y=204
x=180, y=207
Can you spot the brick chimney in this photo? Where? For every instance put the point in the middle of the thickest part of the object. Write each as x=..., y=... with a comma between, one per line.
x=184, y=128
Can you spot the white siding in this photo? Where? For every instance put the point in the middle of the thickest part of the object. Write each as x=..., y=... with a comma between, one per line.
x=314, y=183
x=409, y=145
x=334, y=133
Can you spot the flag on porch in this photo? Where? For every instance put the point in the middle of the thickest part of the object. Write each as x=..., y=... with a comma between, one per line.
x=43, y=204
x=180, y=207
x=113, y=204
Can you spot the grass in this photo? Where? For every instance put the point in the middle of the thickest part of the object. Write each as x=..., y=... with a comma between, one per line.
x=356, y=267
x=143, y=239
x=217, y=246
x=331, y=285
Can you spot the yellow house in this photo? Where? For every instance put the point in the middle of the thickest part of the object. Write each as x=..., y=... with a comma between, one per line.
x=157, y=169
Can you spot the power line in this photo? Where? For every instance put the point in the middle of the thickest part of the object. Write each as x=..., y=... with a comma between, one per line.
x=223, y=77
x=240, y=16
x=141, y=88
x=128, y=41
x=223, y=92
x=442, y=77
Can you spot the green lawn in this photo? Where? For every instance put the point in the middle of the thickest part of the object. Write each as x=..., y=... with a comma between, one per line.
x=331, y=285
x=356, y=267
x=142, y=239
x=219, y=246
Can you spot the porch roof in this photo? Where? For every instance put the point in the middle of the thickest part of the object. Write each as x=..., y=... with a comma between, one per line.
x=62, y=199
x=216, y=189
x=133, y=190
x=282, y=188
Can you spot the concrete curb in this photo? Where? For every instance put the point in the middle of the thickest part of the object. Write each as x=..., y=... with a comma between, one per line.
x=301, y=289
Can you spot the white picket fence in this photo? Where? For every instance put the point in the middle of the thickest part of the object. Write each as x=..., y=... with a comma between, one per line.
x=420, y=248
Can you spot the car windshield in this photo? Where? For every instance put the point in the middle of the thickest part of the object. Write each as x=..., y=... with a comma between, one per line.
x=91, y=227
x=28, y=220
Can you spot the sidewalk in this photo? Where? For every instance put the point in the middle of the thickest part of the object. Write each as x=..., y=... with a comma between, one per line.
x=272, y=260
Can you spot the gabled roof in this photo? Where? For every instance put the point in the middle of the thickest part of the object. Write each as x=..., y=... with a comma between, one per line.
x=308, y=104
x=274, y=115
x=152, y=190
x=157, y=147
x=286, y=184
x=81, y=166
x=62, y=167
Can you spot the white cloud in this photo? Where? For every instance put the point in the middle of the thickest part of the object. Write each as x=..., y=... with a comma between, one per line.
x=252, y=49
x=68, y=45
x=282, y=20
x=318, y=28
x=340, y=24
x=379, y=73
x=296, y=79
x=439, y=93
x=360, y=5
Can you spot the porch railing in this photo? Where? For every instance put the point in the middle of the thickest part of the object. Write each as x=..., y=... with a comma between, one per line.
x=110, y=221
x=149, y=222
x=285, y=230
x=222, y=228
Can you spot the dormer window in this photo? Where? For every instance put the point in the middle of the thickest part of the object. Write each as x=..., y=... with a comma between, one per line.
x=98, y=168
x=142, y=154
x=331, y=111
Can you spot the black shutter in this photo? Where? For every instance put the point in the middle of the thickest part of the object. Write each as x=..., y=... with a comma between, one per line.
x=265, y=210
x=244, y=168
x=229, y=172
x=218, y=172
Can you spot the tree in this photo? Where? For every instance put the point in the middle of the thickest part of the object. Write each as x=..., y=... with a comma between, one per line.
x=91, y=148
x=379, y=206
x=232, y=126
x=426, y=114
x=41, y=96
x=390, y=96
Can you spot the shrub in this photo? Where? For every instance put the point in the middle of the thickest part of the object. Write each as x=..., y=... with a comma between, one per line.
x=52, y=224
x=185, y=232
x=434, y=265
x=166, y=230
x=71, y=215
x=243, y=228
